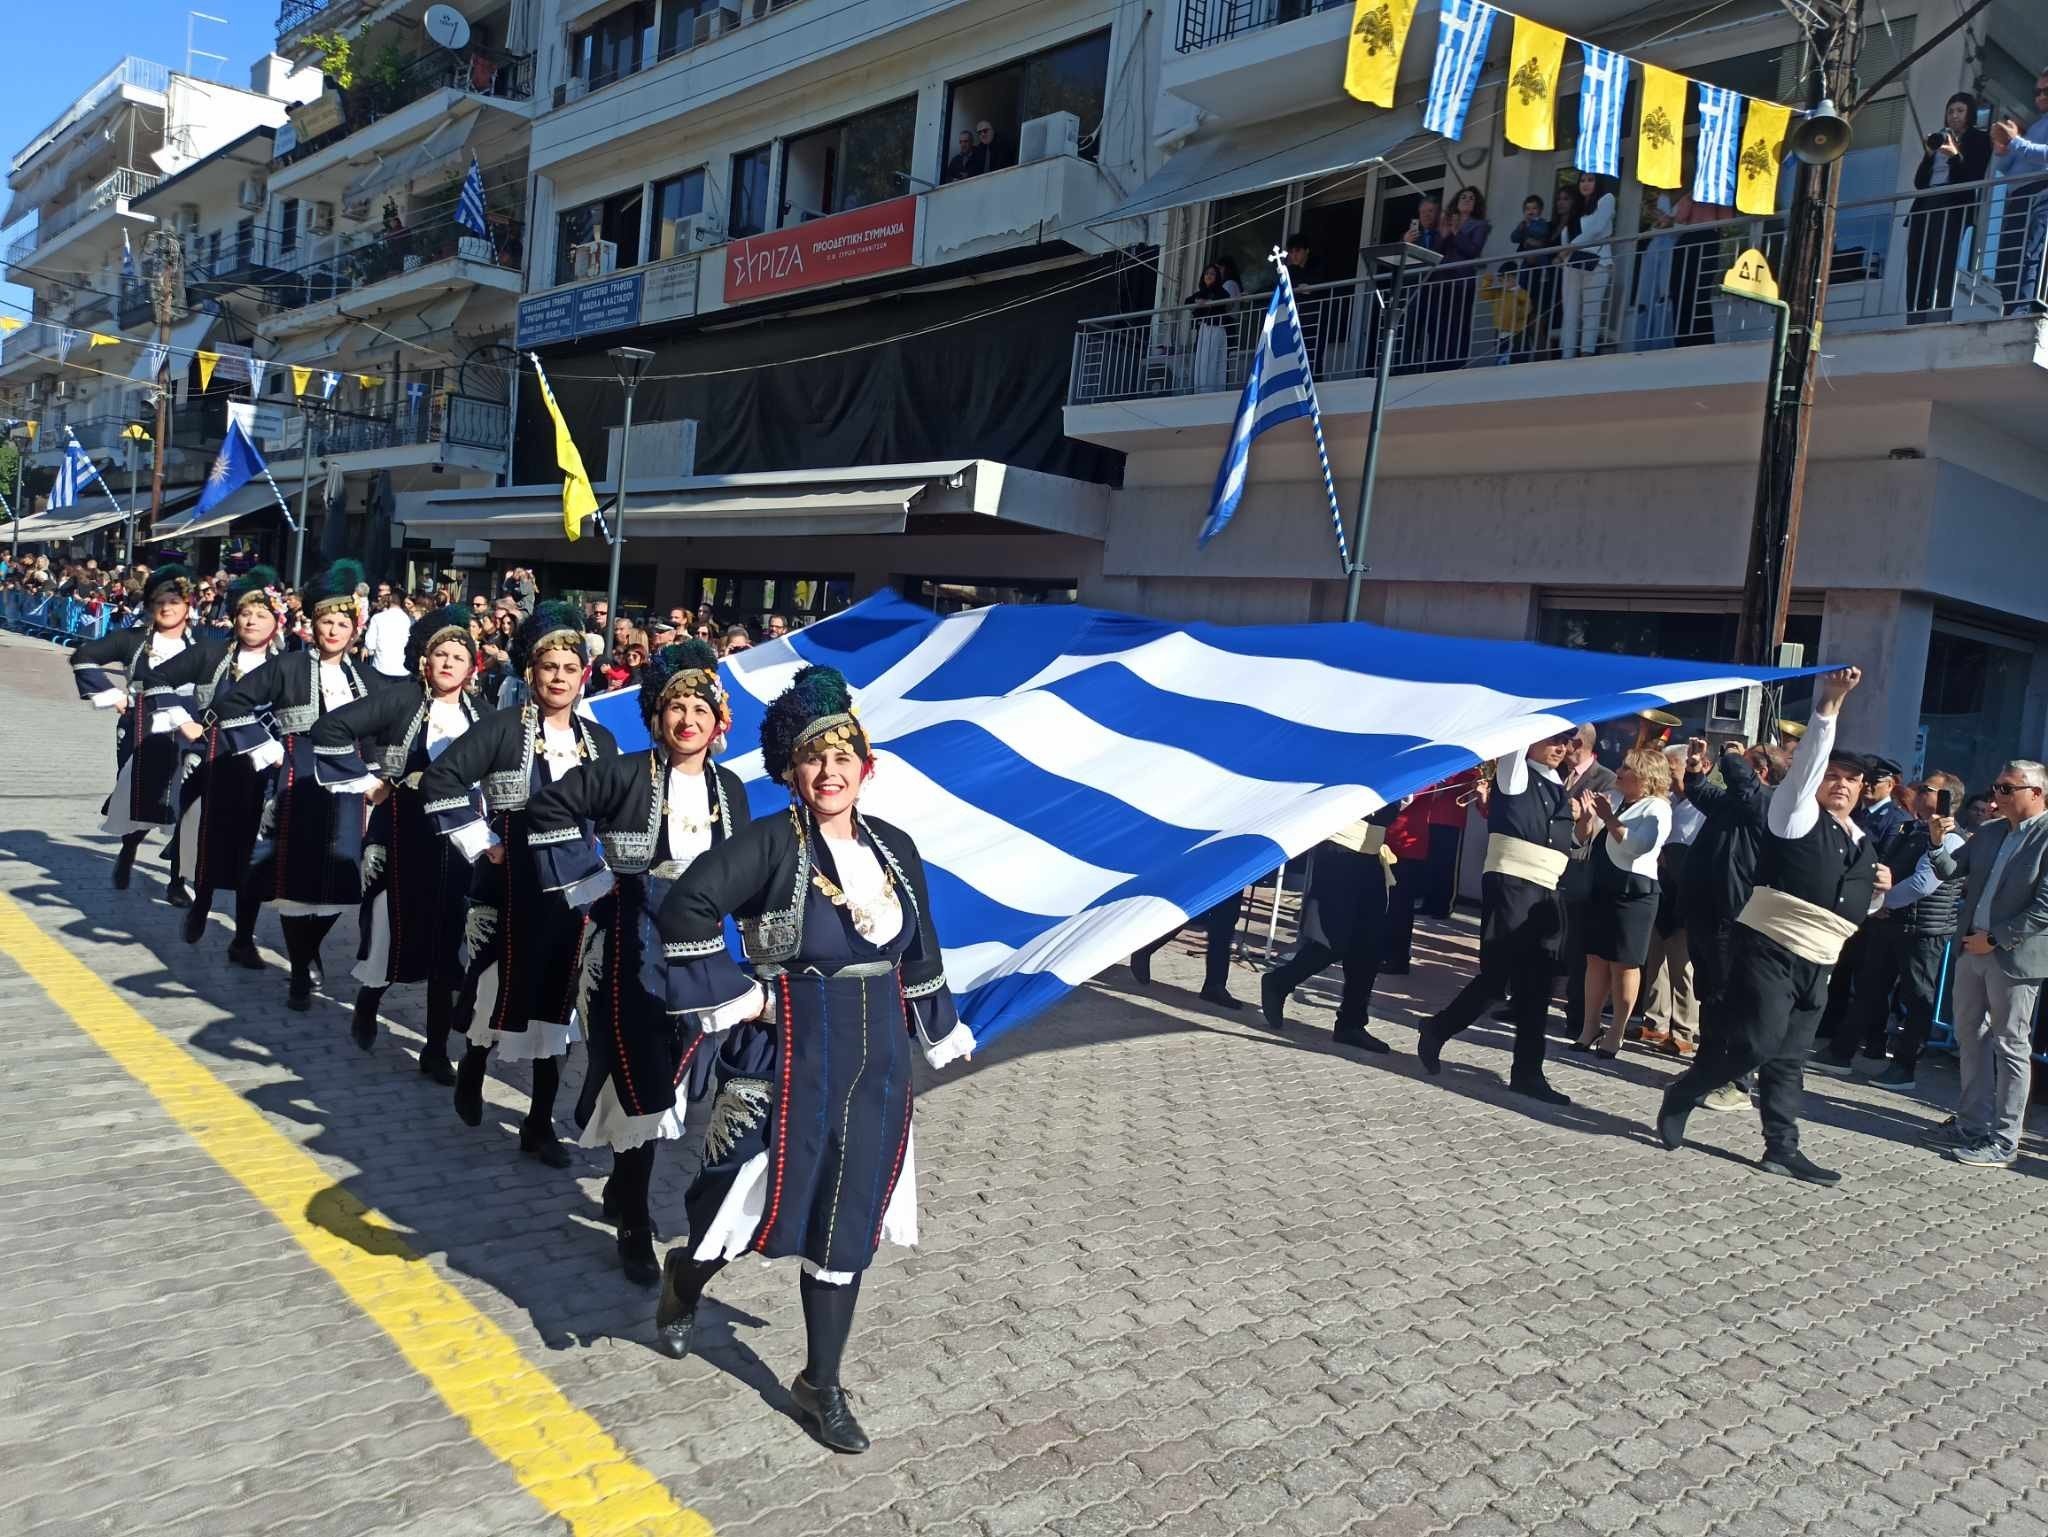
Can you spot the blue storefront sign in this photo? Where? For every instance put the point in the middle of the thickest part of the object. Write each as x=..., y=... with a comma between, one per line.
x=610, y=304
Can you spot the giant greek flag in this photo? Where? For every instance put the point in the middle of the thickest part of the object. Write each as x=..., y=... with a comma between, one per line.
x=1080, y=782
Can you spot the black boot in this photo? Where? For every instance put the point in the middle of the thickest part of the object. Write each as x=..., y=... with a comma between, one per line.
x=682, y=1287
x=194, y=927
x=624, y=1199
x=124, y=862
x=299, y=995
x=362, y=1025
x=469, y=1085
x=537, y=1140
x=178, y=894
x=636, y=1256
x=440, y=1019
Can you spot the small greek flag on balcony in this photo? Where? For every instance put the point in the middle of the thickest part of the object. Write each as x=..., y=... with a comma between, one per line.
x=1278, y=388
x=1720, y=145
x=73, y=475
x=1602, y=90
x=1463, y=29
x=469, y=209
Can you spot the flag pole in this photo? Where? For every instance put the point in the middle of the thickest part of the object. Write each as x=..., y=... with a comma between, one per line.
x=1398, y=256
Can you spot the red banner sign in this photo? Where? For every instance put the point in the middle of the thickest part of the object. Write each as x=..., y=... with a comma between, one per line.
x=879, y=238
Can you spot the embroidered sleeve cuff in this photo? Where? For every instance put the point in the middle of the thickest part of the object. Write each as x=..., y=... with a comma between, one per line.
x=958, y=1043
x=168, y=718
x=735, y=1011
x=472, y=838
x=266, y=755
x=362, y=784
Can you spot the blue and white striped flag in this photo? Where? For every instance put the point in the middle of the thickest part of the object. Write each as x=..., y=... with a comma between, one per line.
x=74, y=474
x=1080, y=782
x=1602, y=90
x=1720, y=145
x=128, y=274
x=1463, y=29
x=1278, y=389
x=469, y=208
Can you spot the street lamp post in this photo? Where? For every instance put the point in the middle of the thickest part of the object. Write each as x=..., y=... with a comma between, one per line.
x=1397, y=256
x=136, y=437
x=631, y=364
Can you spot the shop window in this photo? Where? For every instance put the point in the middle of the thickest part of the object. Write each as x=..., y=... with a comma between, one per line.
x=614, y=219
x=1972, y=703
x=1072, y=78
x=949, y=595
x=676, y=200
x=748, y=213
x=749, y=597
x=849, y=164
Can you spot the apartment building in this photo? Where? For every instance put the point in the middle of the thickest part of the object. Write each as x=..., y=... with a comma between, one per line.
x=84, y=207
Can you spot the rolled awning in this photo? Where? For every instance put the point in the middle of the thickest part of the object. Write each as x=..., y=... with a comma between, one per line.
x=789, y=511
x=437, y=146
x=1268, y=154
x=67, y=524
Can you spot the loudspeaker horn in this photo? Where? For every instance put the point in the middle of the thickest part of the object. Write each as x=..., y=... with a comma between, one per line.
x=1822, y=135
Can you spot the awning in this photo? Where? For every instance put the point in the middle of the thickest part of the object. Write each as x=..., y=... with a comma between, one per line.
x=1269, y=154
x=67, y=523
x=437, y=146
x=253, y=497
x=186, y=335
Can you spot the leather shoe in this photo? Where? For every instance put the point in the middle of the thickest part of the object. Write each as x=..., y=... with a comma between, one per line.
x=829, y=1415
x=435, y=1065
x=1540, y=1090
x=1898, y=1075
x=469, y=1088
x=1359, y=1036
x=243, y=953
x=1272, y=1003
x=298, y=995
x=193, y=929
x=1654, y=1039
x=1221, y=998
x=674, y=1322
x=540, y=1142
x=1671, y=1119
x=1797, y=1165
x=178, y=894
x=636, y=1256
x=1429, y=1048
x=1580, y=1046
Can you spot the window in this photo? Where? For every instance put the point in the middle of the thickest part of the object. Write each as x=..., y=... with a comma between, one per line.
x=1073, y=78
x=748, y=214
x=245, y=241
x=288, y=225
x=850, y=164
x=616, y=46
x=675, y=200
x=687, y=23
x=1973, y=700
x=615, y=218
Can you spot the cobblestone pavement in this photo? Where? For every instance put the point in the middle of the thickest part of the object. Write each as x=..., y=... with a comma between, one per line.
x=1177, y=1276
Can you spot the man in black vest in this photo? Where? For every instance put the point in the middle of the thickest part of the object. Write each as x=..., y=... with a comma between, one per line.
x=1903, y=947
x=1817, y=876
x=1531, y=833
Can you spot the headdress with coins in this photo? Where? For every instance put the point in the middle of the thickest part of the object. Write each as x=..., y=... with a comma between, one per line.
x=814, y=713
x=687, y=667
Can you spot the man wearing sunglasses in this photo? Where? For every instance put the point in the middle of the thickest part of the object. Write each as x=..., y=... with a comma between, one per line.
x=1999, y=966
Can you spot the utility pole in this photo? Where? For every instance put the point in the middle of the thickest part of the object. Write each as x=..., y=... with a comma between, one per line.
x=167, y=296
x=1836, y=37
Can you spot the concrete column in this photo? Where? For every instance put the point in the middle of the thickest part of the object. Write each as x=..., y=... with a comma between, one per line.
x=1885, y=634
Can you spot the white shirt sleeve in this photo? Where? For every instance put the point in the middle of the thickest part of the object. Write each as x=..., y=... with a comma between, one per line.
x=1793, y=811
x=1511, y=773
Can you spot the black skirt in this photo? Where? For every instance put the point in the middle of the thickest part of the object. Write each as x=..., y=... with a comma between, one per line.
x=1620, y=912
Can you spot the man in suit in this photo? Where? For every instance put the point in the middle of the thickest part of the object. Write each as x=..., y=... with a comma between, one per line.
x=1585, y=776
x=1999, y=971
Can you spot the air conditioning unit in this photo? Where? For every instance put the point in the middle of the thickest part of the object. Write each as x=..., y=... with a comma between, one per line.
x=63, y=389
x=594, y=258
x=1057, y=133
x=714, y=24
x=186, y=220
x=250, y=194
x=699, y=233
x=320, y=221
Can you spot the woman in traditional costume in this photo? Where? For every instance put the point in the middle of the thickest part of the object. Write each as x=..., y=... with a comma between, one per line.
x=307, y=862
x=223, y=793
x=809, y=1152
x=116, y=672
x=415, y=882
x=522, y=944
x=653, y=813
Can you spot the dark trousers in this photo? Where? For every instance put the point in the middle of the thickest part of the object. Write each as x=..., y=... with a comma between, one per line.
x=1842, y=985
x=1892, y=964
x=1769, y=1008
x=1220, y=924
x=1440, y=878
x=1709, y=944
x=1572, y=961
x=1399, y=952
x=1520, y=925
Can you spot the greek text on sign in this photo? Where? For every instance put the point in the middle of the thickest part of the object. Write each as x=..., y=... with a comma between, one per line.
x=867, y=241
x=1751, y=275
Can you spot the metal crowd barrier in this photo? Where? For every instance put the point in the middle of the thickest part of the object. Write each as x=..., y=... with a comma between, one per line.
x=66, y=621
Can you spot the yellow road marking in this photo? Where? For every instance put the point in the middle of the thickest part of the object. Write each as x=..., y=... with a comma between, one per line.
x=559, y=1453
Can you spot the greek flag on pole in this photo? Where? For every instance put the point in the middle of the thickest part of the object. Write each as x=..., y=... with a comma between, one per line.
x=1463, y=29
x=1277, y=389
x=128, y=274
x=74, y=474
x=469, y=208
x=1720, y=145
x=1079, y=782
x=1602, y=90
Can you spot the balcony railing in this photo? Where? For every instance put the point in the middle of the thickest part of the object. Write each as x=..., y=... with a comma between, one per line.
x=294, y=14
x=489, y=73
x=1205, y=23
x=315, y=280
x=455, y=419
x=115, y=187
x=686, y=24
x=142, y=74
x=1912, y=260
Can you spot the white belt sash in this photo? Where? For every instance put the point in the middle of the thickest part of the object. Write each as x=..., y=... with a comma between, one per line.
x=1531, y=862
x=1368, y=838
x=1808, y=930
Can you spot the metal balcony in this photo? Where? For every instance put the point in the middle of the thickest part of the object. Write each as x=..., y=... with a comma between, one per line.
x=141, y=74
x=1205, y=23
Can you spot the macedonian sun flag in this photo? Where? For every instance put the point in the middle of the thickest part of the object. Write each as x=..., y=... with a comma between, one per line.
x=1533, y=68
x=1660, y=140
x=1379, y=31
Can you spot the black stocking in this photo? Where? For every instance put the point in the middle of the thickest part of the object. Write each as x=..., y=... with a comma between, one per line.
x=547, y=1078
x=696, y=1275
x=828, y=1320
x=440, y=1019
x=247, y=905
x=632, y=1177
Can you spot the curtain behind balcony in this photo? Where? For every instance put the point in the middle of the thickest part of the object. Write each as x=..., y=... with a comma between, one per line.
x=992, y=388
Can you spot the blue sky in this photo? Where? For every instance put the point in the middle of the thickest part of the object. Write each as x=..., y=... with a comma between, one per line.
x=57, y=50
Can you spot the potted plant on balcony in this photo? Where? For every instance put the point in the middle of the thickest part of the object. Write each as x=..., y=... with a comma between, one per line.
x=387, y=79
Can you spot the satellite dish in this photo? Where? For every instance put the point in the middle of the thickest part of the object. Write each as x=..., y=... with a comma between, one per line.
x=446, y=26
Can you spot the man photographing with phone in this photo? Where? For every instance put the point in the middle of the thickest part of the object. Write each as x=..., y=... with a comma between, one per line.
x=2026, y=154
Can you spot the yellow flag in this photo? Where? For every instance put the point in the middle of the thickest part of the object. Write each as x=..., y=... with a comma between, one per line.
x=301, y=377
x=578, y=500
x=9, y=324
x=1379, y=32
x=1533, y=69
x=96, y=339
x=206, y=363
x=31, y=428
x=367, y=381
x=1763, y=151
x=1660, y=140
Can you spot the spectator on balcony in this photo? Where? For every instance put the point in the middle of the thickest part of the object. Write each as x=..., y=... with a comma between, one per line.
x=1957, y=157
x=1588, y=267
x=1695, y=271
x=2027, y=155
x=1452, y=288
x=1654, y=328
x=1426, y=229
x=962, y=165
x=1211, y=307
x=1226, y=265
x=1523, y=323
x=995, y=154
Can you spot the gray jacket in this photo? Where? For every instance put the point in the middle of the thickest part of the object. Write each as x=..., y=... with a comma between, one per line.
x=2019, y=907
